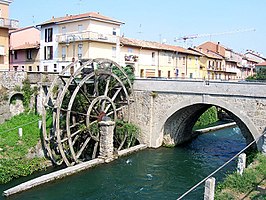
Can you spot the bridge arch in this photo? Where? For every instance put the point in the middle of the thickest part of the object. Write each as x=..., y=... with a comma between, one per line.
x=176, y=125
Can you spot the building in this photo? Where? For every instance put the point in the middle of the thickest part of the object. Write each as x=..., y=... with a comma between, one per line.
x=24, y=49
x=153, y=59
x=261, y=66
x=73, y=37
x=6, y=24
x=232, y=61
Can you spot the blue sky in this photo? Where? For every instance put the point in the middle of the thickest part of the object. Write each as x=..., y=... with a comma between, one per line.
x=157, y=20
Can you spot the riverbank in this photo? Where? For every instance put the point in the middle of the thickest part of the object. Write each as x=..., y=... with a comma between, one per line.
x=251, y=185
x=215, y=128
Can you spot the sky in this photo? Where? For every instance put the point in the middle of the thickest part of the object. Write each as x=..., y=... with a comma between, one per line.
x=240, y=24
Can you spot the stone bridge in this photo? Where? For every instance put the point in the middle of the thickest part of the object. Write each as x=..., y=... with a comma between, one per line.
x=166, y=110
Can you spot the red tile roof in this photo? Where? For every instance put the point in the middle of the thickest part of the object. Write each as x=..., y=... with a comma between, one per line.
x=261, y=64
x=90, y=15
x=154, y=45
x=207, y=53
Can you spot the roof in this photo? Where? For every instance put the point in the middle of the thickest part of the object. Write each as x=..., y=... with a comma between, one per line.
x=261, y=64
x=26, y=46
x=91, y=15
x=154, y=45
x=207, y=53
x=214, y=47
x=22, y=29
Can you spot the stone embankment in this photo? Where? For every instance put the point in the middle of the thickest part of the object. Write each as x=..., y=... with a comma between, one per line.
x=214, y=128
x=67, y=172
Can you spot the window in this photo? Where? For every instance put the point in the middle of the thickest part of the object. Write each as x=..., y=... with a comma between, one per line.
x=114, y=31
x=129, y=50
x=80, y=49
x=48, y=35
x=153, y=58
x=184, y=60
x=169, y=58
x=29, y=54
x=48, y=53
x=63, y=53
x=38, y=68
x=63, y=30
x=80, y=28
x=55, y=68
x=45, y=68
x=114, y=52
x=15, y=55
x=15, y=68
x=30, y=68
x=63, y=67
x=22, y=68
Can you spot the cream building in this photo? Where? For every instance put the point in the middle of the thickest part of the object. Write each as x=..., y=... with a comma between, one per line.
x=78, y=37
x=153, y=59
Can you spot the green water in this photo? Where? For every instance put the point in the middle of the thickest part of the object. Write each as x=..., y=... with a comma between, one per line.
x=164, y=173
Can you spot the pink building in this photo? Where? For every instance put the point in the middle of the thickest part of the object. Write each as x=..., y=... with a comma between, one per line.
x=24, y=49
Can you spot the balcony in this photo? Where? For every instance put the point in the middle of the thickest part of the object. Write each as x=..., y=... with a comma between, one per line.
x=85, y=36
x=131, y=58
x=9, y=23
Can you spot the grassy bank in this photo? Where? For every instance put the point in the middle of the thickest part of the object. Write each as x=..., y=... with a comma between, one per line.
x=236, y=186
x=14, y=150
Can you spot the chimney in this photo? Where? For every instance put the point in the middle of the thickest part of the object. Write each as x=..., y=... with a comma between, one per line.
x=218, y=47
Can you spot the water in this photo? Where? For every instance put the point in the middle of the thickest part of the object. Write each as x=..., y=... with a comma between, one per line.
x=164, y=173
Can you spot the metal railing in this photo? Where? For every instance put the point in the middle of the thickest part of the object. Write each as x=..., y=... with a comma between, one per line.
x=9, y=23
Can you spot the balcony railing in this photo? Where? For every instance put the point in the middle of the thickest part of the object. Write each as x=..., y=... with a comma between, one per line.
x=9, y=23
x=131, y=58
x=88, y=35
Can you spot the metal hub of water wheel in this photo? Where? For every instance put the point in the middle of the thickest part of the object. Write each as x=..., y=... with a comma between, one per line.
x=74, y=104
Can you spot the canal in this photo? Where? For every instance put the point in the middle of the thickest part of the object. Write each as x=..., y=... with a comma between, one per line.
x=164, y=173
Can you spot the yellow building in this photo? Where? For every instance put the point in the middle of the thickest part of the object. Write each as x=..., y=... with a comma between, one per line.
x=153, y=59
x=6, y=24
x=78, y=37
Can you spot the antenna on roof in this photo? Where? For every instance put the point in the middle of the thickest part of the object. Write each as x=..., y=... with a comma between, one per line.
x=33, y=21
x=139, y=32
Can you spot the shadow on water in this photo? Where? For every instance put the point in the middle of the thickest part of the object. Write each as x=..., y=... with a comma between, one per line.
x=164, y=173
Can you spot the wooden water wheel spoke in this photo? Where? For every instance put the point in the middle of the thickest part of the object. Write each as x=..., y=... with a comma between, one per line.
x=83, y=147
x=78, y=101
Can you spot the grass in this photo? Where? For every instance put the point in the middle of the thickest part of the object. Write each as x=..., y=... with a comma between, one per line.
x=236, y=186
x=13, y=149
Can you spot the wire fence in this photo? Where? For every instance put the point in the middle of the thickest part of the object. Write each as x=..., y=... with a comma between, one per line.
x=214, y=172
x=20, y=126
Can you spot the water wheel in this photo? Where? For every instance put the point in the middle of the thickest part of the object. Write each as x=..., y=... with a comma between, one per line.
x=75, y=103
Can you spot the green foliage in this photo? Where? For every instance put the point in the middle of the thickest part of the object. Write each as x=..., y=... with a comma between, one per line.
x=125, y=134
x=207, y=118
x=129, y=72
x=13, y=162
x=245, y=184
x=27, y=93
x=260, y=75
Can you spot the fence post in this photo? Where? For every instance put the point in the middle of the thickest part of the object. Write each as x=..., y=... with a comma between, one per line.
x=20, y=132
x=40, y=124
x=209, y=189
x=241, y=164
